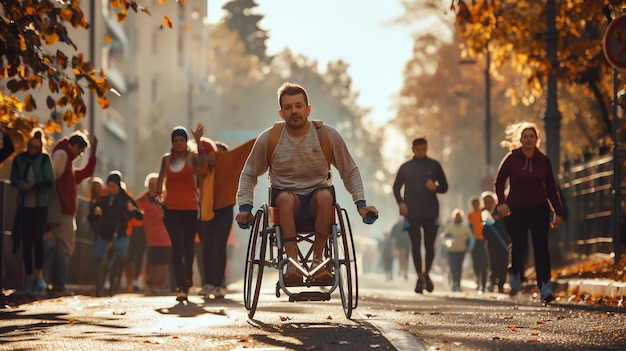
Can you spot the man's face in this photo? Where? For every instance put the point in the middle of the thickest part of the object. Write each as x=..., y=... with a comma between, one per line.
x=489, y=202
x=113, y=187
x=77, y=150
x=152, y=186
x=420, y=150
x=294, y=110
x=34, y=147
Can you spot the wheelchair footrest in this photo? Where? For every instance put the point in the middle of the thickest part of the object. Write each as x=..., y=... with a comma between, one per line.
x=310, y=296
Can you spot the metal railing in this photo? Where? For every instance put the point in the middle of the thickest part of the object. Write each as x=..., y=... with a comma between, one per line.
x=588, y=195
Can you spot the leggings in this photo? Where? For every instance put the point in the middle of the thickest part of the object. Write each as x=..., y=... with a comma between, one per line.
x=429, y=226
x=537, y=220
x=33, y=227
x=214, y=236
x=182, y=226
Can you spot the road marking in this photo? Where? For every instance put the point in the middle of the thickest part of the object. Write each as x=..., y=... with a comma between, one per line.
x=400, y=339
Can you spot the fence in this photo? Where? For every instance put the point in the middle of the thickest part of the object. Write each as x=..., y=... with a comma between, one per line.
x=587, y=194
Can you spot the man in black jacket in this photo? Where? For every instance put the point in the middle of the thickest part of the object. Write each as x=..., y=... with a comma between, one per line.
x=422, y=178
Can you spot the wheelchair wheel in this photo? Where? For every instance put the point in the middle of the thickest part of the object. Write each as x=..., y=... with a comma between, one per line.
x=106, y=263
x=115, y=274
x=348, y=280
x=255, y=260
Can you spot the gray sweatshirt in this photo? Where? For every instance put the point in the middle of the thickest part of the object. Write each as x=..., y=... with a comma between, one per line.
x=298, y=164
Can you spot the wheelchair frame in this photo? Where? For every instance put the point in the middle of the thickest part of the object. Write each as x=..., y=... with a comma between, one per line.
x=265, y=249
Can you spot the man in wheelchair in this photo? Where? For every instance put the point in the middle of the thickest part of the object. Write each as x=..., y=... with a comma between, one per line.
x=298, y=153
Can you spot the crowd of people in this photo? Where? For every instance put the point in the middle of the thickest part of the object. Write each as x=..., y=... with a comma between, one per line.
x=189, y=203
x=155, y=232
x=495, y=231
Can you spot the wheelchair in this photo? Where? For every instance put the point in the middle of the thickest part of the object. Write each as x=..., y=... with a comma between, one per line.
x=266, y=250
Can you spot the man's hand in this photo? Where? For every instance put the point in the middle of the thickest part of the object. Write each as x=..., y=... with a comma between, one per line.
x=404, y=211
x=94, y=145
x=556, y=222
x=364, y=210
x=244, y=219
x=430, y=185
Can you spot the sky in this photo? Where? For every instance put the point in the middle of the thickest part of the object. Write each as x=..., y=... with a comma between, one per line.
x=355, y=31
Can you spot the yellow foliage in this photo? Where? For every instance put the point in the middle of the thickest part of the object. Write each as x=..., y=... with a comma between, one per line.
x=167, y=22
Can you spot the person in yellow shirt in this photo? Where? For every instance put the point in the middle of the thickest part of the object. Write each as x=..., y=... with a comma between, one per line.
x=218, y=189
x=458, y=239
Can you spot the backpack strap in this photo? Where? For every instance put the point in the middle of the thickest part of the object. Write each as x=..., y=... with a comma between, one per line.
x=322, y=136
x=277, y=129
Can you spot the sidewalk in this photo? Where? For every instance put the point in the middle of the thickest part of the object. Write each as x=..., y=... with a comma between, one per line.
x=590, y=283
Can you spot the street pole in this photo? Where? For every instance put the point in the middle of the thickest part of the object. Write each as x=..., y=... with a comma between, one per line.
x=92, y=57
x=552, y=117
x=617, y=191
x=488, y=112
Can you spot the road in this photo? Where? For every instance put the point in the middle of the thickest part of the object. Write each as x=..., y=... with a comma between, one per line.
x=389, y=316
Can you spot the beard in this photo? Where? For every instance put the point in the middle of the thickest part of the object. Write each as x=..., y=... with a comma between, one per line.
x=296, y=121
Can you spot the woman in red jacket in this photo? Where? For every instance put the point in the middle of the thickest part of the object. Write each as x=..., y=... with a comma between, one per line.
x=532, y=197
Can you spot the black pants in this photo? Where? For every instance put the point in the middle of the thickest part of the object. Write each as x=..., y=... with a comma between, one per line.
x=499, y=262
x=214, y=237
x=537, y=220
x=455, y=260
x=429, y=226
x=33, y=227
x=182, y=227
x=479, y=262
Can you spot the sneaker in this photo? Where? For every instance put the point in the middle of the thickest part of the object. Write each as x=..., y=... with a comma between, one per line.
x=59, y=291
x=30, y=289
x=429, y=283
x=206, y=290
x=323, y=276
x=546, y=293
x=181, y=295
x=490, y=286
x=219, y=292
x=292, y=276
x=419, y=287
x=40, y=284
x=516, y=284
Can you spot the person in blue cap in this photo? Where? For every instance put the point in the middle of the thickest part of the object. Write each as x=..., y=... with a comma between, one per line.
x=180, y=202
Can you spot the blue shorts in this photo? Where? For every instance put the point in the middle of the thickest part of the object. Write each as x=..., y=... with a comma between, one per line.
x=121, y=244
x=305, y=200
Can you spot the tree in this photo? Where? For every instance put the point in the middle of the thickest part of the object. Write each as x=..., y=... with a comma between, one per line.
x=514, y=33
x=33, y=37
x=240, y=18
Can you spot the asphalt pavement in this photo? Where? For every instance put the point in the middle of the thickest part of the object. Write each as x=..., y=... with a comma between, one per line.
x=138, y=321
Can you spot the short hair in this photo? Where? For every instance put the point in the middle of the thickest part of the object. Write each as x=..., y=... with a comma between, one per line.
x=420, y=141
x=79, y=138
x=146, y=181
x=474, y=198
x=455, y=212
x=222, y=146
x=291, y=89
x=490, y=194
